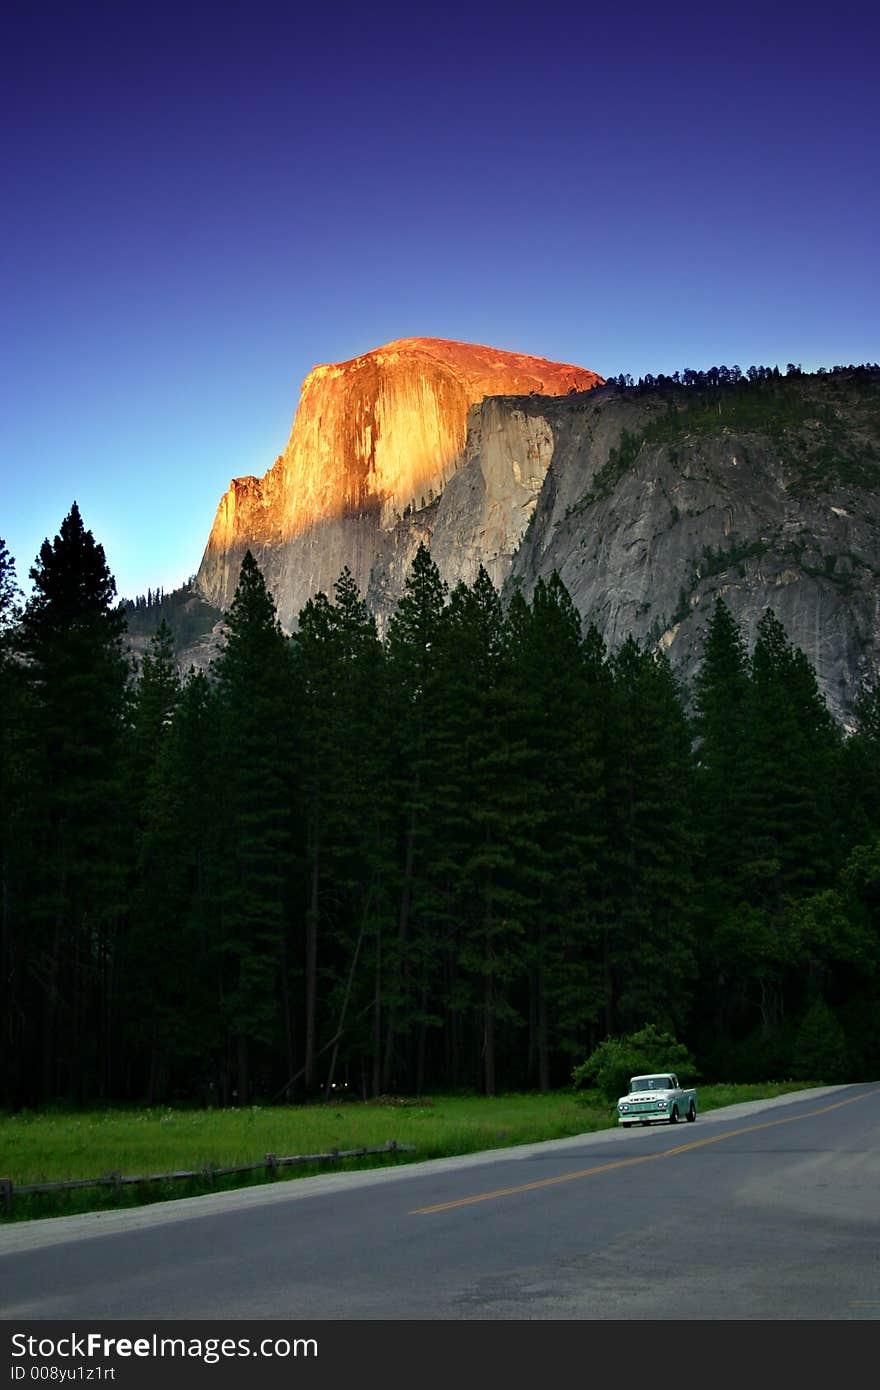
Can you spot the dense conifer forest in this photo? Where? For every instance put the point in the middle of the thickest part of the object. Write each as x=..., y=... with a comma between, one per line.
x=459, y=857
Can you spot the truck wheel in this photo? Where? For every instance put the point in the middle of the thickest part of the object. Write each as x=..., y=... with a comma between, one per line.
x=673, y=1118
x=627, y=1124
x=692, y=1113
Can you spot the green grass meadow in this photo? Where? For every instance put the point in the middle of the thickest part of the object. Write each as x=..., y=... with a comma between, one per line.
x=56, y=1146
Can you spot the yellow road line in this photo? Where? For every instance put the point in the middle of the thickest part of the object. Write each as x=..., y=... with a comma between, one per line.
x=628, y=1162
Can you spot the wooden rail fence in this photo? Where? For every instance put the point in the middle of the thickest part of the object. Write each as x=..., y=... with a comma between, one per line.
x=270, y=1162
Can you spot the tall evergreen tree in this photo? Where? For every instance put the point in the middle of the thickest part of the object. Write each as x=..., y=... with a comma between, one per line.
x=560, y=784
x=252, y=674
x=344, y=814
x=78, y=674
x=794, y=743
x=10, y=593
x=317, y=783
x=407, y=965
x=360, y=856
x=13, y=780
x=481, y=826
x=725, y=824
x=649, y=875
x=792, y=764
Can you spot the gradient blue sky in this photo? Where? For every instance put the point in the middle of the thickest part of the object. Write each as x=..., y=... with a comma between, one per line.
x=201, y=203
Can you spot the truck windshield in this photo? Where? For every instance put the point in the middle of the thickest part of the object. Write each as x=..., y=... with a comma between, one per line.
x=649, y=1083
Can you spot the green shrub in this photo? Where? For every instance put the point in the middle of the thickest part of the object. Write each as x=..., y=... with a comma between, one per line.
x=610, y=1066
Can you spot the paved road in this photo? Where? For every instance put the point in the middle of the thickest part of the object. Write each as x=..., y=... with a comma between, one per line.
x=769, y=1210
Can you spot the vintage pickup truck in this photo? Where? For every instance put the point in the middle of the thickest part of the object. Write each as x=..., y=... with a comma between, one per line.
x=654, y=1099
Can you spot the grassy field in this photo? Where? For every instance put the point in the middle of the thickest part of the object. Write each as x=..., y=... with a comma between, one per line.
x=55, y=1146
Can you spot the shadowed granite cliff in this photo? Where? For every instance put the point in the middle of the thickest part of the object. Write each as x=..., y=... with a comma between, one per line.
x=769, y=496
x=647, y=503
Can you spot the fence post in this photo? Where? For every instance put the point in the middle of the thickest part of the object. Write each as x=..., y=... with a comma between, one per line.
x=6, y=1195
x=272, y=1164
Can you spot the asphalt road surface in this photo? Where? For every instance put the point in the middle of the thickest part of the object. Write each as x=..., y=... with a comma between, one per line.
x=768, y=1210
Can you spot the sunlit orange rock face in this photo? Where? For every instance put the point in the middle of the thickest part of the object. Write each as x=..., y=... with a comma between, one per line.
x=373, y=438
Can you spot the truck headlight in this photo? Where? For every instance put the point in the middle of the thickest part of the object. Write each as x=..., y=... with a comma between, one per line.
x=661, y=1105
x=624, y=1107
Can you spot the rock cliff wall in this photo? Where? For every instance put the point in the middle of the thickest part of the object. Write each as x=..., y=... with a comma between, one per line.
x=374, y=439
x=649, y=504
x=653, y=505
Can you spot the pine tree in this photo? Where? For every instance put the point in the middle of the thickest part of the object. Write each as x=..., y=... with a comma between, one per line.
x=10, y=593
x=794, y=742
x=13, y=784
x=359, y=857
x=559, y=779
x=316, y=782
x=407, y=965
x=792, y=761
x=77, y=672
x=344, y=820
x=725, y=811
x=480, y=822
x=648, y=867
x=252, y=674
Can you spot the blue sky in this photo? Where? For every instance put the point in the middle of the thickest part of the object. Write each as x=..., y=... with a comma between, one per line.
x=201, y=203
